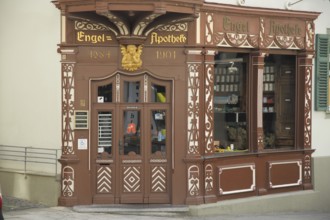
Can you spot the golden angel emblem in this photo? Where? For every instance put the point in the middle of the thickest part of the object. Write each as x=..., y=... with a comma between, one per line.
x=131, y=60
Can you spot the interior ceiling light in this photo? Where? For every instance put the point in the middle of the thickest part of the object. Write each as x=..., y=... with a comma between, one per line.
x=232, y=68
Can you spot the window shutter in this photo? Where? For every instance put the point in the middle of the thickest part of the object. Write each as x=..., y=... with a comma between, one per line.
x=321, y=71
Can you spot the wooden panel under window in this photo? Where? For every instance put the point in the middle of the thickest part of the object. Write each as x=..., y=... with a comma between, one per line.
x=237, y=178
x=285, y=173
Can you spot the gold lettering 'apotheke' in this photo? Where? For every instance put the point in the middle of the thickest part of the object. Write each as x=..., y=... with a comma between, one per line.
x=284, y=29
x=235, y=27
x=92, y=38
x=171, y=38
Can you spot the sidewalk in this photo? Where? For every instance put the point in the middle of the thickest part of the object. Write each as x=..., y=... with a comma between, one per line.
x=14, y=204
x=18, y=209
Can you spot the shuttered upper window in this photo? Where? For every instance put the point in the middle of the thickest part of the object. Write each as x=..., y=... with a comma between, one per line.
x=322, y=73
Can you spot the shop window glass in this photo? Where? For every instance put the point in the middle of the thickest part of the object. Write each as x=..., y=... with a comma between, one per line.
x=158, y=93
x=131, y=92
x=230, y=121
x=279, y=101
x=104, y=93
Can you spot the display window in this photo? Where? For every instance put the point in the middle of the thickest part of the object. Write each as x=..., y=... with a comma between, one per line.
x=230, y=121
x=231, y=102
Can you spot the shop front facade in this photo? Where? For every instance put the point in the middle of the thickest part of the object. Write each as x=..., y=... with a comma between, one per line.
x=183, y=102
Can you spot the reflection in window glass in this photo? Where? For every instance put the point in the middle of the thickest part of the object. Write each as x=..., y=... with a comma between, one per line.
x=230, y=124
x=104, y=93
x=158, y=93
x=131, y=140
x=278, y=104
x=131, y=91
x=158, y=131
x=104, y=132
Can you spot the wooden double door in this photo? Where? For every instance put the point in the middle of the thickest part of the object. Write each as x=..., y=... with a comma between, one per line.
x=131, y=138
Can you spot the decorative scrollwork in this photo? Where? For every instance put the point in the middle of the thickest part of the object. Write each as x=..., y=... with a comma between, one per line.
x=193, y=108
x=87, y=26
x=209, y=28
x=310, y=35
x=67, y=108
x=209, y=85
x=174, y=27
x=67, y=181
x=193, y=180
x=208, y=178
x=308, y=107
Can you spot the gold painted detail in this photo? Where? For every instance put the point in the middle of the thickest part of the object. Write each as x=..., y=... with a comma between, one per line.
x=174, y=27
x=131, y=57
x=93, y=38
x=166, y=55
x=99, y=55
x=84, y=26
x=170, y=38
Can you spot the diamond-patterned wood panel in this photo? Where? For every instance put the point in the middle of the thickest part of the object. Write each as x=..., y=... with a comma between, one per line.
x=132, y=179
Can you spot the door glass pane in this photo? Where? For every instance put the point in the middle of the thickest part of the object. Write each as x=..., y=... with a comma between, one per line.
x=158, y=131
x=104, y=132
x=158, y=93
x=131, y=140
x=230, y=124
x=104, y=93
x=131, y=91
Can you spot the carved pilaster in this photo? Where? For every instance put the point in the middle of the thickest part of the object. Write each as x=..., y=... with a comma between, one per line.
x=194, y=68
x=307, y=171
x=304, y=101
x=256, y=83
x=68, y=158
x=208, y=107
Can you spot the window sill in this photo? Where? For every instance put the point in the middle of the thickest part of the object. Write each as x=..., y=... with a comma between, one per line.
x=237, y=153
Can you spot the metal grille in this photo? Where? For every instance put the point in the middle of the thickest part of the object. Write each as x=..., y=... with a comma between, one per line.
x=81, y=119
x=105, y=129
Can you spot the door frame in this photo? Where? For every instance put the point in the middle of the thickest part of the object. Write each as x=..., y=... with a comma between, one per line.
x=114, y=163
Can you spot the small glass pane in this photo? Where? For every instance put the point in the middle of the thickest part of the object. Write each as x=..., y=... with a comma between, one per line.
x=131, y=92
x=158, y=131
x=104, y=93
x=158, y=93
x=131, y=139
x=104, y=132
x=230, y=122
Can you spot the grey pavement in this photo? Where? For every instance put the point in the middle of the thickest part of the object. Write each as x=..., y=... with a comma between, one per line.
x=17, y=209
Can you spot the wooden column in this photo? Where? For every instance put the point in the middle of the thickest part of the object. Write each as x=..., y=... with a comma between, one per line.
x=255, y=101
x=69, y=158
x=304, y=101
x=193, y=160
x=208, y=146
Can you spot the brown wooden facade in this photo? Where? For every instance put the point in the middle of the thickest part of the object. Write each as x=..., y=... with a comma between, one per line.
x=155, y=63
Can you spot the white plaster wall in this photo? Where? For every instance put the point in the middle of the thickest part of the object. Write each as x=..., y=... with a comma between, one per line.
x=30, y=74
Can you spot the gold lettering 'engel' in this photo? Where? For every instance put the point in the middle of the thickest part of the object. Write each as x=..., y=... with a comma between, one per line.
x=92, y=38
x=171, y=38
